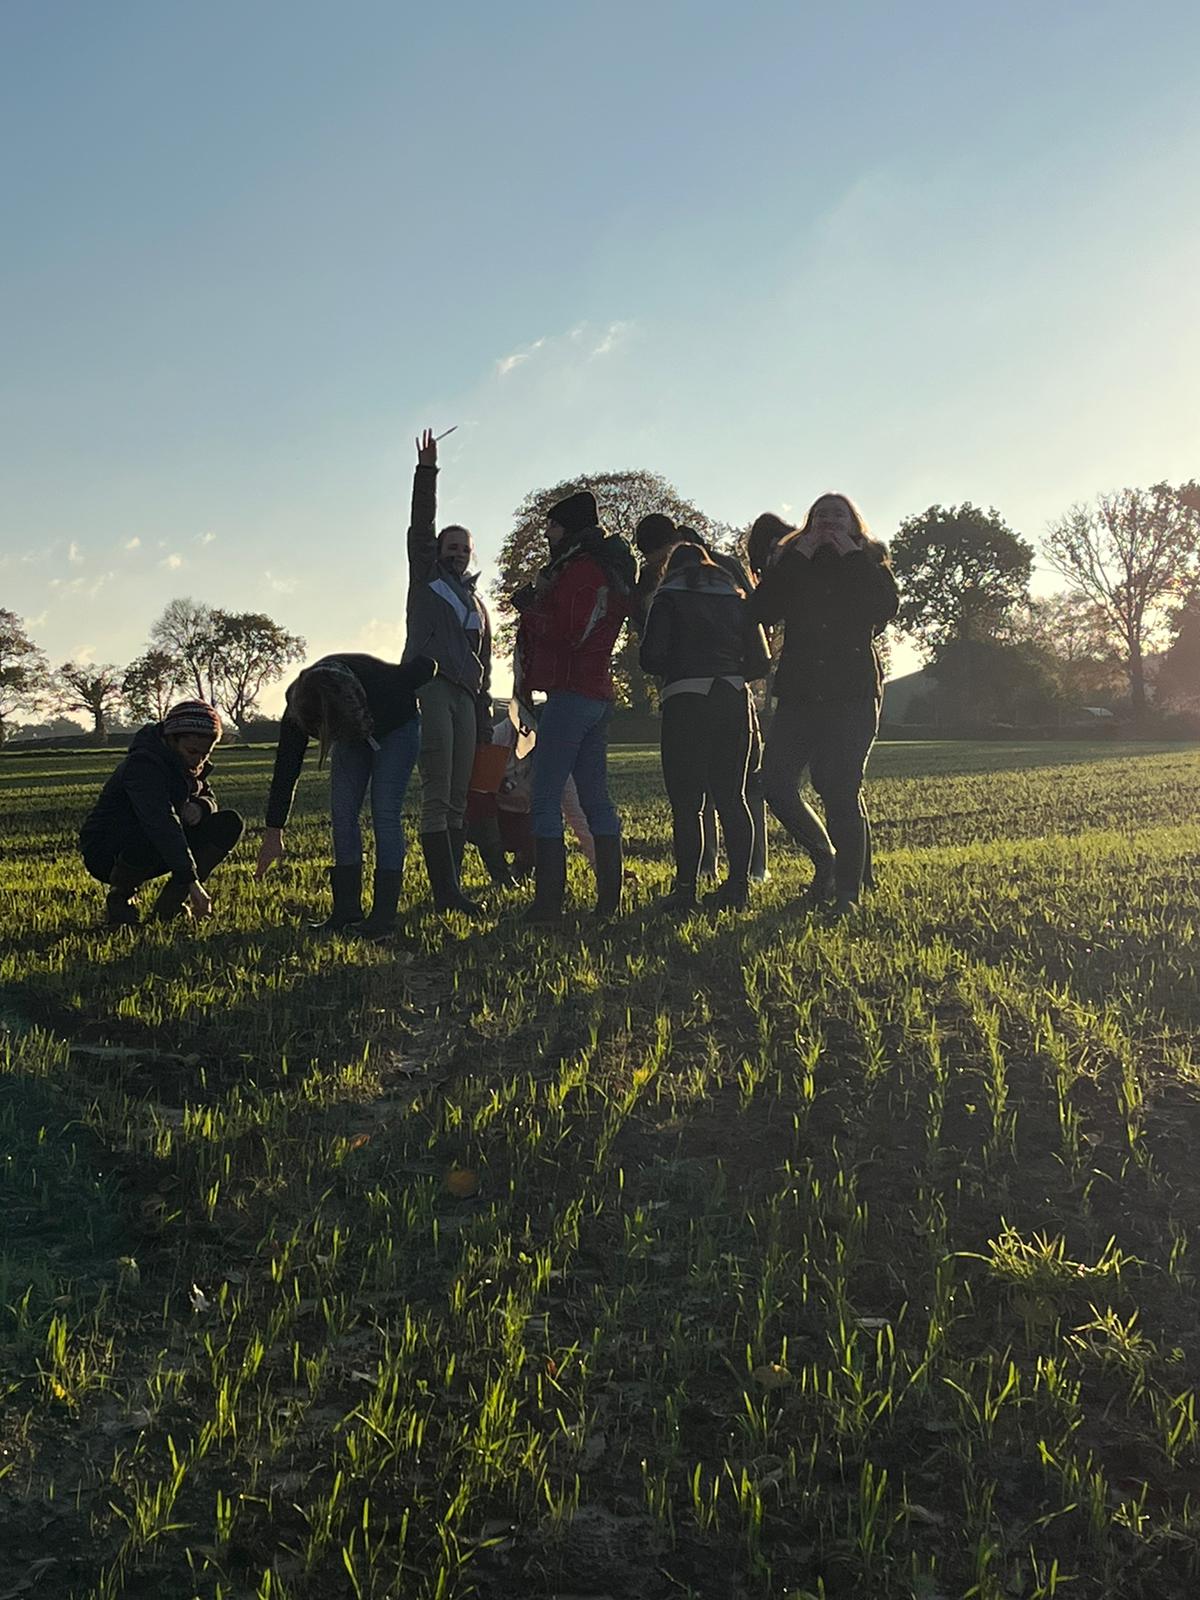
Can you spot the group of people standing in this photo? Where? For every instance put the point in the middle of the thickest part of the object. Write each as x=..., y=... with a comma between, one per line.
x=703, y=622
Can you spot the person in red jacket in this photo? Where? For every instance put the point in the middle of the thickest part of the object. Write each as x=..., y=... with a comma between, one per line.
x=571, y=616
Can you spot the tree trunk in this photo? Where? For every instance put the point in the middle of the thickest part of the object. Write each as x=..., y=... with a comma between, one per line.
x=1137, y=684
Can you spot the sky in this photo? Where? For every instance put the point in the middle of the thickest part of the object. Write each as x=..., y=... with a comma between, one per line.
x=918, y=253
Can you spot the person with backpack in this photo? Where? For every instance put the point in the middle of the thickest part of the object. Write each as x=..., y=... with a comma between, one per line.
x=447, y=622
x=570, y=619
x=832, y=587
x=157, y=816
x=363, y=714
x=699, y=640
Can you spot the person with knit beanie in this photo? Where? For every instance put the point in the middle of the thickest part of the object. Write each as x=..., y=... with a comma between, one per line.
x=571, y=617
x=363, y=714
x=157, y=816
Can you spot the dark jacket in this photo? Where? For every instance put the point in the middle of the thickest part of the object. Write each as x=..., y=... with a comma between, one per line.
x=447, y=620
x=572, y=614
x=391, y=693
x=146, y=796
x=832, y=608
x=702, y=630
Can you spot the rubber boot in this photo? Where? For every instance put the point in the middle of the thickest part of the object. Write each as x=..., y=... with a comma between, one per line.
x=760, y=872
x=172, y=900
x=119, y=909
x=549, y=882
x=385, y=897
x=821, y=890
x=681, y=898
x=438, y=849
x=485, y=836
x=609, y=874
x=346, y=883
x=708, y=834
x=733, y=895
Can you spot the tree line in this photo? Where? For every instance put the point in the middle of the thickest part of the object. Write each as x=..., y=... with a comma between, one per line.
x=1125, y=625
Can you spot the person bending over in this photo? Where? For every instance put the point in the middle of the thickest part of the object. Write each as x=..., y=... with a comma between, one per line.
x=700, y=641
x=571, y=616
x=363, y=714
x=157, y=816
x=447, y=621
x=832, y=587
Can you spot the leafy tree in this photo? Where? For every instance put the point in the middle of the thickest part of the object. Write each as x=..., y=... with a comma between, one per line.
x=185, y=632
x=962, y=572
x=623, y=498
x=249, y=651
x=24, y=676
x=1129, y=554
x=996, y=680
x=1178, y=683
x=150, y=683
x=1074, y=636
x=94, y=689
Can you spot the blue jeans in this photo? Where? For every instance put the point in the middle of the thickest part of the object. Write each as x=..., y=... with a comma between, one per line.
x=352, y=766
x=572, y=742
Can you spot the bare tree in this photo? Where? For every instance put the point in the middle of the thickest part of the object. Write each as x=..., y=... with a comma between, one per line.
x=95, y=689
x=24, y=676
x=150, y=683
x=1129, y=553
x=185, y=631
x=249, y=651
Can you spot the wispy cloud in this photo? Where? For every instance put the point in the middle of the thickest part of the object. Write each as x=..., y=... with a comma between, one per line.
x=74, y=554
x=507, y=364
x=205, y=538
x=616, y=333
x=132, y=544
x=172, y=562
x=280, y=585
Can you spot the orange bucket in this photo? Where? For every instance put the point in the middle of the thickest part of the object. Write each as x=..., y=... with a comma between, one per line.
x=491, y=763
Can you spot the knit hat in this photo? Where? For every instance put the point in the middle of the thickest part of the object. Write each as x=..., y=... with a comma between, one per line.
x=192, y=716
x=576, y=513
x=653, y=532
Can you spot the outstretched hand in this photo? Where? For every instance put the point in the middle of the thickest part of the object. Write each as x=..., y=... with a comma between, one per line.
x=427, y=449
x=270, y=851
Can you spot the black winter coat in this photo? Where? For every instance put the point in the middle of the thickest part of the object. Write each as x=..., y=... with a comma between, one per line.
x=832, y=608
x=702, y=630
x=146, y=795
x=391, y=693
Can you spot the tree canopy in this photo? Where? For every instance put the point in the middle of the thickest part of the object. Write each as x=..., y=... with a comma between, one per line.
x=962, y=572
x=24, y=672
x=94, y=688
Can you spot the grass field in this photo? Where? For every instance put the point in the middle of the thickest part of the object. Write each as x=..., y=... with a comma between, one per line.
x=726, y=1258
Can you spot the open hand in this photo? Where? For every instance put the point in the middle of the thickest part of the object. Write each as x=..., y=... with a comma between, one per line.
x=427, y=449
x=270, y=850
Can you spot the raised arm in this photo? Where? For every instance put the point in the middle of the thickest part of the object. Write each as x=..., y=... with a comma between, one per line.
x=422, y=527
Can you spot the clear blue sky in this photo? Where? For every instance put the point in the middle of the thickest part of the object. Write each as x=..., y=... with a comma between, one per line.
x=924, y=252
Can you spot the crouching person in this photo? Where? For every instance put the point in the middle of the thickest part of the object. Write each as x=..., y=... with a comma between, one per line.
x=157, y=817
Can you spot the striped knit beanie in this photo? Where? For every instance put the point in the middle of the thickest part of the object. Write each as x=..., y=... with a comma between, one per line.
x=192, y=716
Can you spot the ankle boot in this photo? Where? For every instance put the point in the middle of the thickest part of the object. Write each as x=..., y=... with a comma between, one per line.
x=346, y=883
x=438, y=849
x=384, y=900
x=549, y=881
x=681, y=898
x=733, y=895
x=609, y=874
x=119, y=909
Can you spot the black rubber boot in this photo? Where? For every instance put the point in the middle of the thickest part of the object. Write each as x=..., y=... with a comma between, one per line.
x=681, y=898
x=485, y=836
x=385, y=897
x=438, y=849
x=759, y=869
x=708, y=835
x=211, y=841
x=610, y=874
x=549, y=882
x=821, y=889
x=119, y=909
x=733, y=895
x=346, y=883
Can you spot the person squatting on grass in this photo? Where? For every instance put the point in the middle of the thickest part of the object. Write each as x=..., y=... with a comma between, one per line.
x=157, y=815
x=363, y=713
x=832, y=587
x=571, y=616
x=449, y=622
x=699, y=639
x=498, y=824
x=656, y=536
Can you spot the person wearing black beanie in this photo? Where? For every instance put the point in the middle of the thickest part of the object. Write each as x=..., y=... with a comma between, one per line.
x=576, y=514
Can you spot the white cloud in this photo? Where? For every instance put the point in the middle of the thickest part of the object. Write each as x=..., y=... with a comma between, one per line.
x=280, y=585
x=613, y=335
x=132, y=544
x=172, y=562
x=205, y=538
x=506, y=364
x=84, y=654
x=74, y=553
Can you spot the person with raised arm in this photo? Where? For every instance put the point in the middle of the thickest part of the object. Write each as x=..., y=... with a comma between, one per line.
x=157, y=816
x=363, y=714
x=571, y=616
x=449, y=623
x=831, y=585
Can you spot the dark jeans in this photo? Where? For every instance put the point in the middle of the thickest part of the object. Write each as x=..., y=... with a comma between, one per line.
x=210, y=841
x=353, y=765
x=833, y=741
x=705, y=750
x=572, y=741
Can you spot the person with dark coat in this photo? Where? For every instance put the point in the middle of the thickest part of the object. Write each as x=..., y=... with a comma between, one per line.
x=157, y=816
x=448, y=622
x=700, y=641
x=832, y=587
x=571, y=617
x=656, y=536
x=363, y=714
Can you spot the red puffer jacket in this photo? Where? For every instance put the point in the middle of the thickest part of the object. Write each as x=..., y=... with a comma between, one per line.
x=568, y=631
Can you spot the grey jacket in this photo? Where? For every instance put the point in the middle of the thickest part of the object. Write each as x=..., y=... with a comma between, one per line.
x=447, y=620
